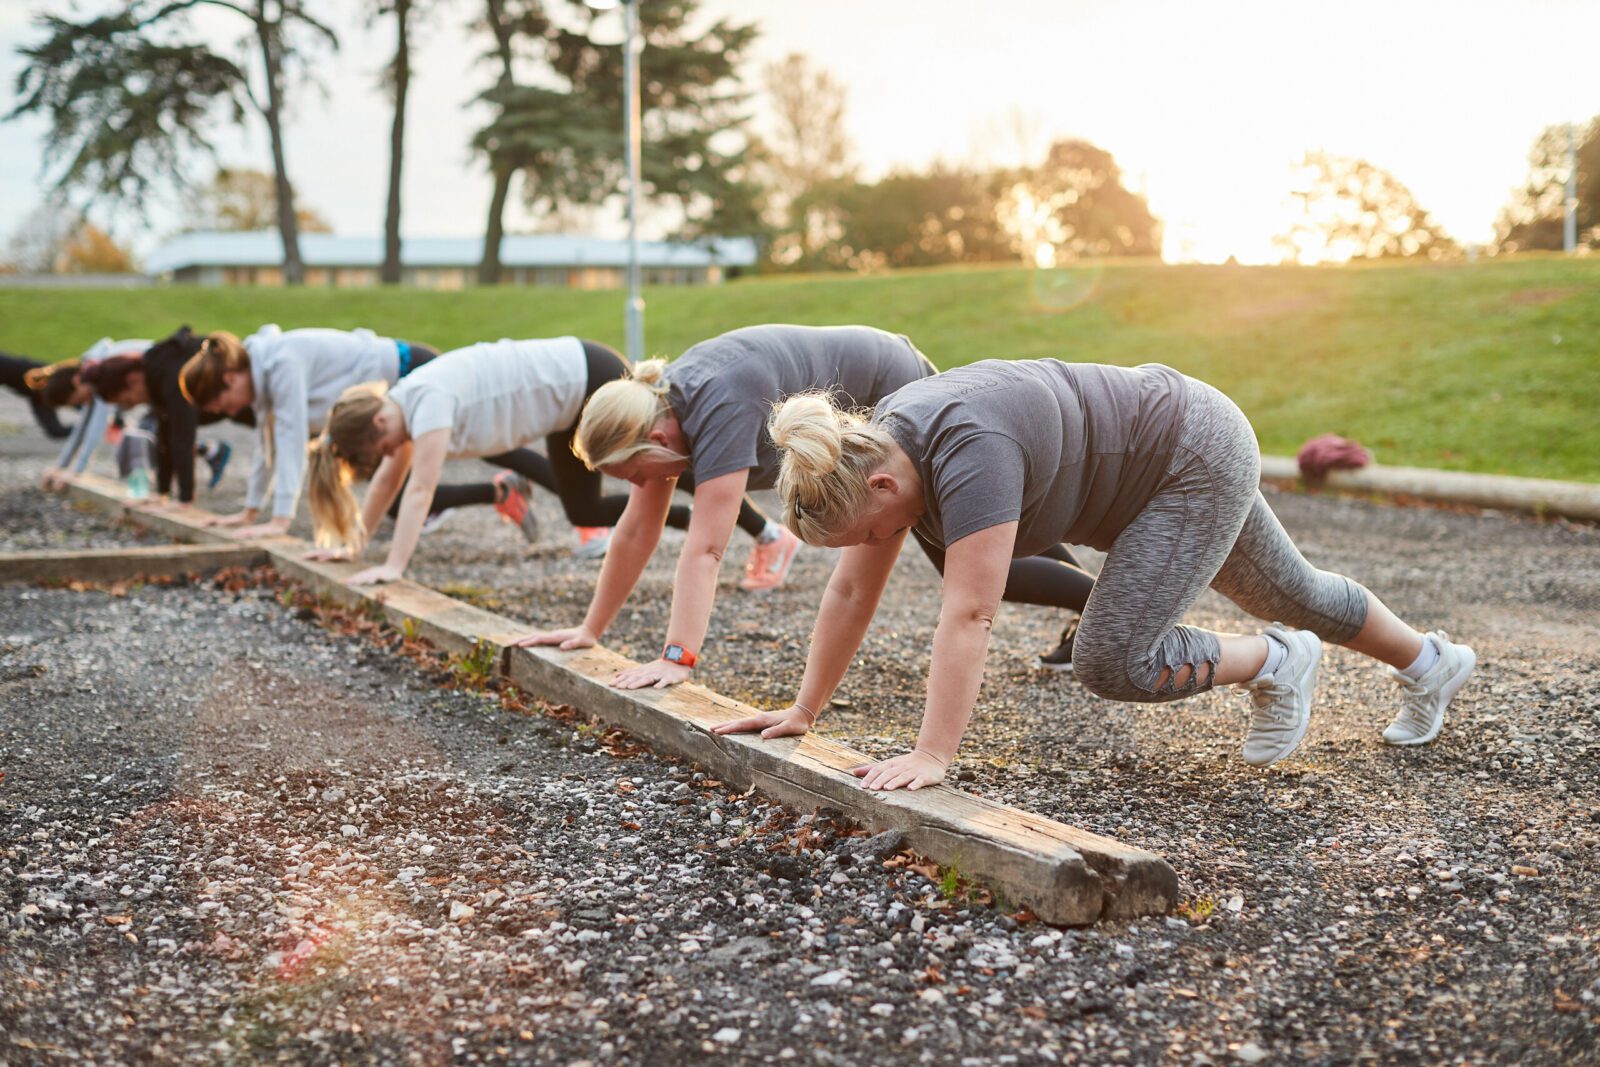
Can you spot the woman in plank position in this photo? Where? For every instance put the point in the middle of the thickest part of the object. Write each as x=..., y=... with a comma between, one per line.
x=488, y=400
x=65, y=385
x=700, y=424
x=151, y=378
x=1160, y=471
x=27, y=378
x=289, y=380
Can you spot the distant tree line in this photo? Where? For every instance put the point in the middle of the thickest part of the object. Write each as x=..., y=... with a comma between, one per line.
x=133, y=101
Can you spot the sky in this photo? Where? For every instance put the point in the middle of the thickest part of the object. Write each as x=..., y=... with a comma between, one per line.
x=1204, y=103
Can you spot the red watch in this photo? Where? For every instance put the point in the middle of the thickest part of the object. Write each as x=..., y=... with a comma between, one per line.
x=679, y=655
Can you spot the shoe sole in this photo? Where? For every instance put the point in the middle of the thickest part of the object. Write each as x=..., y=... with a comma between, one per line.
x=1451, y=688
x=1305, y=723
x=1058, y=668
x=783, y=576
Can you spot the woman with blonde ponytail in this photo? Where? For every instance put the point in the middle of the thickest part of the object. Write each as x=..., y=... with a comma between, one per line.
x=1160, y=471
x=286, y=381
x=699, y=424
x=487, y=401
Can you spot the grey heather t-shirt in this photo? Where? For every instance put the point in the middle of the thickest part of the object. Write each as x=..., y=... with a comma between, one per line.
x=723, y=390
x=1070, y=451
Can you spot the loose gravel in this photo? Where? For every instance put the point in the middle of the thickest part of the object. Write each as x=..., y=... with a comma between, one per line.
x=320, y=854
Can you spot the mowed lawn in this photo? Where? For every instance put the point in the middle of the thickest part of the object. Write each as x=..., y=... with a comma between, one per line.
x=1490, y=366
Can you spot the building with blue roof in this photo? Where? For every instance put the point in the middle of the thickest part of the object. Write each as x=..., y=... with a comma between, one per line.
x=220, y=258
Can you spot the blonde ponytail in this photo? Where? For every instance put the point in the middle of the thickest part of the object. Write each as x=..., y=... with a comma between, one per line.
x=616, y=422
x=345, y=451
x=828, y=455
x=335, y=515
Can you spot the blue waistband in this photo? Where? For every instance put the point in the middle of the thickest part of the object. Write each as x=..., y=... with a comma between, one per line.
x=405, y=357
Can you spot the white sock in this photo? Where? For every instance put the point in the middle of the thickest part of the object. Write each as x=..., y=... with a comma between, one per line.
x=1277, y=652
x=1424, y=661
x=769, y=533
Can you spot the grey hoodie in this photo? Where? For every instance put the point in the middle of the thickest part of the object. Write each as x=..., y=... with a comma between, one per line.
x=297, y=376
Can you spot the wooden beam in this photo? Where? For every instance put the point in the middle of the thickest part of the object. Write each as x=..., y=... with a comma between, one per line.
x=123, y=564
x=1065, y=875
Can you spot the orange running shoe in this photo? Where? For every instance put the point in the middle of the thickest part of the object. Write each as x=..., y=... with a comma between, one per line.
x=513, y=505
x=769, y=563
x=592, y=541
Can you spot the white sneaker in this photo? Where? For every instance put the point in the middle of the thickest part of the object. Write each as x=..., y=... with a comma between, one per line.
x=593, y=542
x=1422, y=712
x=1282, y=701
x=436, y=519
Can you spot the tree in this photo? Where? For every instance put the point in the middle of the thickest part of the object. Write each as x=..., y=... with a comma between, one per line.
x=1536, y=216
x=1074, y=205
x=505, y=142
x=807, y=153
x=912, y=220
x=93, y=251
x=34, y=247
x=566, y=142
x=54, y=238
x=1352, y=209
x=397, y=81
x=238, y=199
x=126, y=102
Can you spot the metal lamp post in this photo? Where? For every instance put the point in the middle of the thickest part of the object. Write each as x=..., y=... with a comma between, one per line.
x=632, y=45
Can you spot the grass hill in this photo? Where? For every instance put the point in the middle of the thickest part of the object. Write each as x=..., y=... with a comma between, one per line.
x=1491, y=366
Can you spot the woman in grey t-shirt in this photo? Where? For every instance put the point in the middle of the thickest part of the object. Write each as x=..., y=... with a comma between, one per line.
x=703, y=417
x=1159, y=470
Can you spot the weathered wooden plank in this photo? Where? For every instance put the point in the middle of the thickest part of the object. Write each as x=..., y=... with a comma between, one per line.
x=1064, y=874
x=183, y=522
x=122, y=564
x=1542, y=496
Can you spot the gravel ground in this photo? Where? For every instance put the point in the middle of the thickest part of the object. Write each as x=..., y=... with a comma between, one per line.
x=1357, y=902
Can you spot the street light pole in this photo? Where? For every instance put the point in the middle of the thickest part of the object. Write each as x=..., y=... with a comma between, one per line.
x=1569, y=229
x=632, y=46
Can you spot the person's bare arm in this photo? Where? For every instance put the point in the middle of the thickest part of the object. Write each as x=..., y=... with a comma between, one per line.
x=633, y=541
x=848, y=605
x=694, y=588
x=974, y=581
x=426, y=455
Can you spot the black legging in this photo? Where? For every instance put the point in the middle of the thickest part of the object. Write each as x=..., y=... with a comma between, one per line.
x=13, y=375
x=1052, y=579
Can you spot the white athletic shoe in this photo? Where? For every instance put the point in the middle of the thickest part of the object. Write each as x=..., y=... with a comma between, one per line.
x=1422, y=712
x=1282, y=702
x=436, y=519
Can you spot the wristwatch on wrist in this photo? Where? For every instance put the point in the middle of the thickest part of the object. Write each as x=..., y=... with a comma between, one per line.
x=679, y=655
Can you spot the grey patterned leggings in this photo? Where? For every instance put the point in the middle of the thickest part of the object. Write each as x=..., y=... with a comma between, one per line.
x=1207, y=525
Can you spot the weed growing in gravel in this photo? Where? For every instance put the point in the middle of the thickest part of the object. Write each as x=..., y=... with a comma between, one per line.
x=1198, y=910
x=408, y=628
x=476, y=669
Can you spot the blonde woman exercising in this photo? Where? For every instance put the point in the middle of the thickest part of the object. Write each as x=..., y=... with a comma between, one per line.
x=704, y=417
x=1158, y=470
x=485, y=401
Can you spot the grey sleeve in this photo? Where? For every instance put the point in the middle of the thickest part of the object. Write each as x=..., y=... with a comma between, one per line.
x=260, y=467
x=724, y=433
x=979, y=483
x=290, y=431
x=432, y=410
x=75, y=439
x=89, y=432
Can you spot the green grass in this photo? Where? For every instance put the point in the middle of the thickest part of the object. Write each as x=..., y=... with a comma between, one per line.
x=1492, y=366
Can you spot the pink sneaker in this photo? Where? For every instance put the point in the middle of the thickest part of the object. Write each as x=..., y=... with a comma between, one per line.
x=769, y=563
x=592, y=541
x=513, y=504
